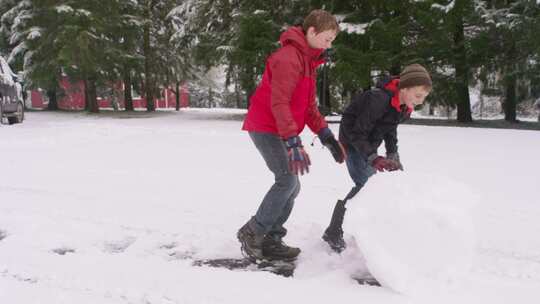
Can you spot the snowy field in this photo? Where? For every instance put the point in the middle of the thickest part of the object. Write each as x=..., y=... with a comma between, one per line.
x=104, y=209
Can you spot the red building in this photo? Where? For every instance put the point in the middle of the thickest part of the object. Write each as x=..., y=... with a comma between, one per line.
x=73, y=98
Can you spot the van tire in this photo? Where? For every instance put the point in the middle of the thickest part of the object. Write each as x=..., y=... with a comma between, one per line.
x=19, y=115
x=1, y=112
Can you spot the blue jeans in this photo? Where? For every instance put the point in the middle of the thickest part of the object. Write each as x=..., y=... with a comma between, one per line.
x=278, y=202
x=359, y=170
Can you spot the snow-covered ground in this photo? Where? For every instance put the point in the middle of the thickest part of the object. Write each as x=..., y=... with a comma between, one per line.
x=103, y=209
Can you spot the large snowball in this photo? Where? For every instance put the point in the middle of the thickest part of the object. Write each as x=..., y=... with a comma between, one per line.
x=415, y=231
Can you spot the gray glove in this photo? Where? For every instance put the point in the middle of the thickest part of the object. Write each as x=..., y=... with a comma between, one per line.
x=394, y=157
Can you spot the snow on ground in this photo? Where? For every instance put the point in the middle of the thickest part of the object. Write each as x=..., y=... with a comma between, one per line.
x=105, y=209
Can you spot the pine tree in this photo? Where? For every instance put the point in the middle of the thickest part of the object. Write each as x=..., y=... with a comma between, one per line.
x=31, y=26
x=71, y=38
x=256, y=40
x=10, y=10
x=378, y=38
x=125, y=33
x=90, y=52
x=442, y=43
x=513, y=37
x=458, y=16
x=238, y=34
x=162, y=65
x=180, y=66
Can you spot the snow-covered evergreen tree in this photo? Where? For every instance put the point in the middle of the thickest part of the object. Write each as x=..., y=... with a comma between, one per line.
x=205, y=32
x=152, y=44
x=513, y=48
x=28, y=26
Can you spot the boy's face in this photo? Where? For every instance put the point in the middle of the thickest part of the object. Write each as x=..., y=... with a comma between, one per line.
x=413, y=96
x=322, y=40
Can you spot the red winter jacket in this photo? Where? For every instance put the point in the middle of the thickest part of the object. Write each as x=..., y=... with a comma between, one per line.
x=284, y=101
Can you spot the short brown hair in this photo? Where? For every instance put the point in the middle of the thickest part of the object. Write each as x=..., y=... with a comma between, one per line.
x=321, y=21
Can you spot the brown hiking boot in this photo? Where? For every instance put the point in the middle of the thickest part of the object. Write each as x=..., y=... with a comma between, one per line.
x=277, y=250
x=251, y=242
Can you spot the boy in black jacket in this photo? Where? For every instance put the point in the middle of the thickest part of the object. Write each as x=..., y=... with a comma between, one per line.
x=371, y=118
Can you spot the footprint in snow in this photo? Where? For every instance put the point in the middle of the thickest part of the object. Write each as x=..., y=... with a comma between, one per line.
x=63, y=250
x=3, y=234
x=168, y=246
x=174, y=253
x=181, y=255
x=118, y=246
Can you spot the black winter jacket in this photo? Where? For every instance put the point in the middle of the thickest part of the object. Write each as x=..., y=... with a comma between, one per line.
x=370, y=119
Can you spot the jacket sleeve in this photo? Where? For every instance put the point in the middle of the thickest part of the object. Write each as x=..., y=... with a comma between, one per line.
x=390, y=141
x=364, y=112
x=286, y=74
x=391, y=137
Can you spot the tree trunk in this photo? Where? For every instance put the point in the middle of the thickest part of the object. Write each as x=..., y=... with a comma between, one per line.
x=148, y=72
x=462, y=71
x=237, y=94
x=210, y=97
x=86, y=98
x=91, y=95
x=177, y=95
x=324, y=107
x=510, y=99
x=128, y=98
x=53, y=101
x=510, y=85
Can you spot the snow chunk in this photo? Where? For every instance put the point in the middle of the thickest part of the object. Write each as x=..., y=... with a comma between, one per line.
x=445, y=8
x=351, y=28
x=63, y=9
x=83, y=12
x=34, y=32
x=414, y=242
x=19, y=49
x=340, y=18
x=7, y=76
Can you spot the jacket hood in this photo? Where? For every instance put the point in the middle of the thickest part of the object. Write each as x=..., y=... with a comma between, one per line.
x=295, y=36
x=391, y=84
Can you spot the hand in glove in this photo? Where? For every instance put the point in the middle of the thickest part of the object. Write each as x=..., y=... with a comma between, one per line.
x=395, y=158
x=330, y=142
x=298, y=158
x=381, y=164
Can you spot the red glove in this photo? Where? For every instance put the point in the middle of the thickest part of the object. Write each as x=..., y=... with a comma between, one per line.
x=395, y=158
x=298, y=158
x=382, y=164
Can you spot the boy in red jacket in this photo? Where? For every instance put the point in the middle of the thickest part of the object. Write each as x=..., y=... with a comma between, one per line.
x=283, y=103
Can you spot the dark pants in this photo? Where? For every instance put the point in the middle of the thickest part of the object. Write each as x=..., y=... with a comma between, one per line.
x=278, y=202
x=359, y=170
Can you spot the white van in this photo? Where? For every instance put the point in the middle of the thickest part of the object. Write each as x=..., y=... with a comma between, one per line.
x=11, y=101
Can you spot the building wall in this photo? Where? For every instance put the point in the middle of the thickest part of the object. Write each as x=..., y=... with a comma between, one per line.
x=74, y=98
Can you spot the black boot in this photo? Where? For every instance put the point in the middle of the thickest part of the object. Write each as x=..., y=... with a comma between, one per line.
x=277, y=250
x=251, y=242
x=333, y=235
